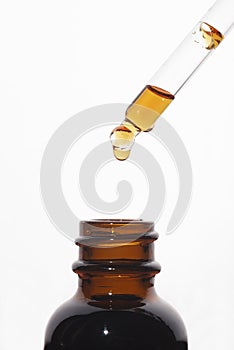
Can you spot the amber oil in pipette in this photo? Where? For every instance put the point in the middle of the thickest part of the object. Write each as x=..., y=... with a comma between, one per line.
x=140, y=116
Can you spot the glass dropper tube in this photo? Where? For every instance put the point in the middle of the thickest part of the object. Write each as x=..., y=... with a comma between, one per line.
x=162, y=88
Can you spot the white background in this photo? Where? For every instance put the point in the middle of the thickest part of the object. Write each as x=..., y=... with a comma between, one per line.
x=60, y=57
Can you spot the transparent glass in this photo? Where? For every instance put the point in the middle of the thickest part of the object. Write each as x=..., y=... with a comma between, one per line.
x=205, y=36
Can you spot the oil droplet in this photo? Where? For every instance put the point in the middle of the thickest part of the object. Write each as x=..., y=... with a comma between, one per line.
x=207, y=36
x=121, y=154
x=122, y=139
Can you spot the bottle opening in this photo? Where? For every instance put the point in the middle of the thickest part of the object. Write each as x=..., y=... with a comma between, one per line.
x=116, y=227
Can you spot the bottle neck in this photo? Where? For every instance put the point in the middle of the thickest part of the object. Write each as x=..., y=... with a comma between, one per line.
x=116, y=260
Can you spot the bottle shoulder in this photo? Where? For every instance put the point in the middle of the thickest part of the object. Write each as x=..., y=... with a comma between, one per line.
x=145, y=322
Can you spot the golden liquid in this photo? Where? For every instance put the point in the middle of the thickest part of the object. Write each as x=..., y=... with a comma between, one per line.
x=140, y=116
x=210, y=37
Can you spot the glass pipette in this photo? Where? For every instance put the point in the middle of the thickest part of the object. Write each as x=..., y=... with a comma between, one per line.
x=162, y=88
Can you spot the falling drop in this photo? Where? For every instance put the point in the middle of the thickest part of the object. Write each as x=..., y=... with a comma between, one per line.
x=122, y=139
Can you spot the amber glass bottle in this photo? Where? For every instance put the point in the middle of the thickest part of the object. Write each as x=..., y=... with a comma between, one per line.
x=116, y=306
